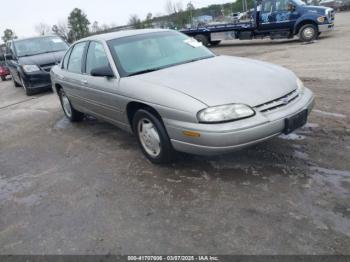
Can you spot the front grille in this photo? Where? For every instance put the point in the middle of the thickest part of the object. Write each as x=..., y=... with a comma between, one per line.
x=277, y=103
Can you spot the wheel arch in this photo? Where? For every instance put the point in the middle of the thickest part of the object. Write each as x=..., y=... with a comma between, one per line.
x=133, y=106
x=302, y=23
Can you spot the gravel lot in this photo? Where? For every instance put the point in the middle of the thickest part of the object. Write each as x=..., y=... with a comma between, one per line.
x=87, y=189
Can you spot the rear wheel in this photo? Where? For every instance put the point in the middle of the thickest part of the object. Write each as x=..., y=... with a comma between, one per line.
x=203, y=39
x=308, y=33
x=3, y=78
x=152, y=137
x=72, y=114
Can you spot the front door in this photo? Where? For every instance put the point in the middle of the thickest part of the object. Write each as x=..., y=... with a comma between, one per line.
x=101, y=92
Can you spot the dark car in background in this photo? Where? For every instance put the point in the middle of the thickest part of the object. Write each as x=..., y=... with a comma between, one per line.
x=30, y=60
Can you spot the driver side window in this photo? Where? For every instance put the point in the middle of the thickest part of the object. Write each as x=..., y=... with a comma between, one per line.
x=282, y=5
x=96, y=57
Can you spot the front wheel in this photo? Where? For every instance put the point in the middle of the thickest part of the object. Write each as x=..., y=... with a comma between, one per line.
x=308, y=33
x=152, y=137
x=3, y=78
x=72, y=114
x=28, y=91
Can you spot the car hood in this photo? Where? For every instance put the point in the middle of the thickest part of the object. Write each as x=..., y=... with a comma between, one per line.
x=42, y=59
x=316, y=9
x=224, y=79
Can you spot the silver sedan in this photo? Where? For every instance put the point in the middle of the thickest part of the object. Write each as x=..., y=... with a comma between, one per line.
x=175, y=95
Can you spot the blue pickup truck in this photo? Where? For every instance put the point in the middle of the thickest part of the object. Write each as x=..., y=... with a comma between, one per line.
x=276, y=19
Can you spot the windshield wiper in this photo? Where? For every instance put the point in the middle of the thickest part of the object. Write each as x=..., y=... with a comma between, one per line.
x=46, y=52
x=145, y=71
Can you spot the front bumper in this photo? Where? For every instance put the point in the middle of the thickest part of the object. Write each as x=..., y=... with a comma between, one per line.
x=37, y=80
x=227, y=137
x=325, y=27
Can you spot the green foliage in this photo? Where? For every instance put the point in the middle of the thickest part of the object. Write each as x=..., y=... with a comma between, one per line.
x=78, y=24
x=8, y=35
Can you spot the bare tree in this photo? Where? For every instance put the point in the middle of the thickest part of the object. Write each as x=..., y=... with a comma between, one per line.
x=170, y=7
x=135, y=21
x=61, y=29
x=42, y=29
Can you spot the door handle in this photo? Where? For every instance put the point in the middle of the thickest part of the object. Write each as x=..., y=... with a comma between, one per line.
x=84, y=82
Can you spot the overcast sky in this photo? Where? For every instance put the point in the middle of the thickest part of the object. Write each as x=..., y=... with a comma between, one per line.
x=22, y=16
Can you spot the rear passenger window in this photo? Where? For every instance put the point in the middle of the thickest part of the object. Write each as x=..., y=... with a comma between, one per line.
x=96, y=57
x=76, y=58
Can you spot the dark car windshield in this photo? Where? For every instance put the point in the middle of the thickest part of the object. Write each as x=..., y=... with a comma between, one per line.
x=153, y=51
x=34, y=46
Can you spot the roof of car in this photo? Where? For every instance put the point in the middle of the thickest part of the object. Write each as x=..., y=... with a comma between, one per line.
x=120, y=34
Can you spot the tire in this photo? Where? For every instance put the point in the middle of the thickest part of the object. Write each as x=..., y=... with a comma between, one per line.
x=215, y=43
x=28, y=91
x=3, y=78
x=203, y=39
x=308, y=33
x=14, y=82
x=72, y=114
x=152, y=137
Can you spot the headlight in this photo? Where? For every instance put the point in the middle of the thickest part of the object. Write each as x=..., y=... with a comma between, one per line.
x=301, y=86
x=30, y=68
x=224, y=113
x=321, y=19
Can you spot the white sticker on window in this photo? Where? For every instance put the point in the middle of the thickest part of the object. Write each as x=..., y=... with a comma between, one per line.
x=193, y=42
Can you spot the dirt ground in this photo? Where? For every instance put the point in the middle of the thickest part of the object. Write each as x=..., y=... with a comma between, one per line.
x=87, y=189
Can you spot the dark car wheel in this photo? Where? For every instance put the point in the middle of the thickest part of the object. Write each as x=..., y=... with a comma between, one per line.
x=203, y=39
x=152, y=137
x=28, y=91
x=3, y=78
x=14, y=82
x=308, y=33
x=72, y=114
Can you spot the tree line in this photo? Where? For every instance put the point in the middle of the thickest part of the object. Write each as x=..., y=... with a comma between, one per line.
x=78, y=26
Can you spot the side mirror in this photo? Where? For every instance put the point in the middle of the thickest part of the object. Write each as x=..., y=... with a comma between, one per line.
x=8, y=56
x=103, y=71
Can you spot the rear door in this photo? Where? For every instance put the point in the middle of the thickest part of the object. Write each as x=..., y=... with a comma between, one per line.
x=101, y=92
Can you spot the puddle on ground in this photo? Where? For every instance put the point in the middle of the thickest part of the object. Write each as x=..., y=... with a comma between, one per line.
x=63, y=123
x=292, y=136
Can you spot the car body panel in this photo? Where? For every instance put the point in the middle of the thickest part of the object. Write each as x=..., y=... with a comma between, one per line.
x=179, y=92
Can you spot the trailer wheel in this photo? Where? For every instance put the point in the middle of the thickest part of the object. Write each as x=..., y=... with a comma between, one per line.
x=215, y=43
x=203, y=39
x=308, y=33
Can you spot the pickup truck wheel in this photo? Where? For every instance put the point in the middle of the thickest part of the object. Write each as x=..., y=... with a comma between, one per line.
x=308, y=33
x=152, y=137
x=3, y=78
x=203, y=39
x=215, y=43
x=72, y=114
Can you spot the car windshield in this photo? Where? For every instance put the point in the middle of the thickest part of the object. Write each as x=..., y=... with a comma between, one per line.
x=299, y=2
x=40, y=45
x=153, y=51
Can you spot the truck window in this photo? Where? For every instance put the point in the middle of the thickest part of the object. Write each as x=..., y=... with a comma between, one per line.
x=282, y=5
x=267, y=6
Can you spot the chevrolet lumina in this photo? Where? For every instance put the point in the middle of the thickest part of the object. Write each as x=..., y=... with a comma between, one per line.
x=30, y=61
x=174, y=94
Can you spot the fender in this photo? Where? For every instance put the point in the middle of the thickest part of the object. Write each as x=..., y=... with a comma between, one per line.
x=308, y=16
